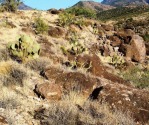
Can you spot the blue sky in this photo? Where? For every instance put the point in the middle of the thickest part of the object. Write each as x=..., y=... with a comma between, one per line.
x=47, y=4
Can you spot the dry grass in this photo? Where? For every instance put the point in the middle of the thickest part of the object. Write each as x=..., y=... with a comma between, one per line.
x=12, y=74
x=69, y=112
x=38, y=64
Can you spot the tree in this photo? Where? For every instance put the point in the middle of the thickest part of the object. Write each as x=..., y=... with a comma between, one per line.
x=10, y=5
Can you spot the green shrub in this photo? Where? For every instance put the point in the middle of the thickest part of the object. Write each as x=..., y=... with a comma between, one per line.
x=82, y=11
x=10, y=5
x=25, y=48
x=41, y=26
x=138, y=77
x=146, y=37
x=66, y=19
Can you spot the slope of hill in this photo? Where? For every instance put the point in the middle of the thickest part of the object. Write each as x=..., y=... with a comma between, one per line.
x=124, y=2
x=93, y=5
x=22, y=6
x=122, y=12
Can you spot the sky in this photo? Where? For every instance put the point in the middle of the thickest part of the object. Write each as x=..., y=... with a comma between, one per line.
x=47, y=4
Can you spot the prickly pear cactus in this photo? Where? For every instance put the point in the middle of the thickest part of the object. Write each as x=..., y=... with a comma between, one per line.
x=25, y=48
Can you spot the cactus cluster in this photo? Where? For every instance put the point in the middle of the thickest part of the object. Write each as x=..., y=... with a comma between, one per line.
x=75, y=64
x=74, y=49
x=25, y=48
x=117, y=59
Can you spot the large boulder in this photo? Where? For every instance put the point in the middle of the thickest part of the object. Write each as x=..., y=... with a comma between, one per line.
x=49, y=91
x=136, y=50
x=127, y=99
x=54, y=11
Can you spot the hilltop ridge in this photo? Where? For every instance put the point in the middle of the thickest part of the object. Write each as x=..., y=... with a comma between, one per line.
x=93, y=5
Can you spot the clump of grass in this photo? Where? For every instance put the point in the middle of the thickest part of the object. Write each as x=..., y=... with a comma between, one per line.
x=12, y=74
x=4, y=55
x=41, y=26
x=68, y=112
x=138, y=77
x=66, y=19
x=82, y=11
x=38, y=64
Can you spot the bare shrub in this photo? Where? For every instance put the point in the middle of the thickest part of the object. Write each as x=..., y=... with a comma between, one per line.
x=38, y=64
x=12, y=74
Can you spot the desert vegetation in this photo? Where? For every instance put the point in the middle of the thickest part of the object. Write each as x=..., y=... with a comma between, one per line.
x=65, y=67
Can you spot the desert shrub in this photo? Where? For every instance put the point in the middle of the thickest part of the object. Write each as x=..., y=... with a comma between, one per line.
x=8, y=103
x=41, y=26
x=4, y=55
x=146, y=37
x=11, y=74
x=66, y=19
x=81, y=11
x=38, y=64
x=138, y=77
x=10, y=5
x=24, y=49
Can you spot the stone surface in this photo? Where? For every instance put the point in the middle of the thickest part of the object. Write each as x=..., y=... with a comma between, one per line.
x=3, y=120
x=49, y=91
x=136, y=50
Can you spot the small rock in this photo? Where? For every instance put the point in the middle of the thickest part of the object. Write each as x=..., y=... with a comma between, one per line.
x=3, y=120
x=49, y=91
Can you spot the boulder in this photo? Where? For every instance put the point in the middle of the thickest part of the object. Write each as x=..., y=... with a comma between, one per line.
x=49, y=91
x=127, y=99
x=72, y=81
x=56, y=32
x=136, y=50
x=54, y=11
x=76, y=81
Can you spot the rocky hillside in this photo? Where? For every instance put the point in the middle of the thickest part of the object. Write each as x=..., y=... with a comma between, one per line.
x=121, y=13
x=125, y=2
x=58, y=68
x=93, y=5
